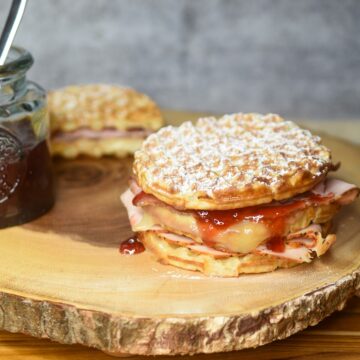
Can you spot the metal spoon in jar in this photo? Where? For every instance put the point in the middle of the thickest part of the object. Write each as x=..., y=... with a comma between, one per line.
x=12, y=23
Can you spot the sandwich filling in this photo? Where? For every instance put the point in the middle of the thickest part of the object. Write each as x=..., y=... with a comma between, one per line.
x=105, y=133
x=294, y=228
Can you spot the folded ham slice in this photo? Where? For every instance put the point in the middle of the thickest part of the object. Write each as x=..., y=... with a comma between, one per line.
x=135, y=213
x=177, y=239
x=310, y=243
x=180, y=240
x=330, y=189
x=343, y=192
x=107, y=133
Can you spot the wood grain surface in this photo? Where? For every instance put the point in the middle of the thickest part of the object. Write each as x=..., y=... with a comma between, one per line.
x=68, y=260
x=335, y=338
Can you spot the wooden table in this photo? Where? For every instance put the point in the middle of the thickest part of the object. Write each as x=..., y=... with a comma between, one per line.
x=337, y=337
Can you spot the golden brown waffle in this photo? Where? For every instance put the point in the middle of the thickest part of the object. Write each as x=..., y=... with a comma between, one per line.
x=80, y=115
x=182, y=257
x=236, y=161
x=101, y=106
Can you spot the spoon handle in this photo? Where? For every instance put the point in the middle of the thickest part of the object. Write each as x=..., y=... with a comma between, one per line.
x=10, y=28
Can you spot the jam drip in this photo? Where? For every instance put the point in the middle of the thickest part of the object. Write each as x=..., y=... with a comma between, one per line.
x=137, y=200
x=131, y=246
x=276, y=244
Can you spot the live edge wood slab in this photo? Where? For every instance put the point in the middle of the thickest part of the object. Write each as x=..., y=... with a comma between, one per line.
x=62, y=277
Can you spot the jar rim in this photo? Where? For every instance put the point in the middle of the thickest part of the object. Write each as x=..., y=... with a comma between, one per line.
x=20, y=61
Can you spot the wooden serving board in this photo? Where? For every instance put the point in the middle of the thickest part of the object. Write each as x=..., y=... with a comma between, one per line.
x=62, y=277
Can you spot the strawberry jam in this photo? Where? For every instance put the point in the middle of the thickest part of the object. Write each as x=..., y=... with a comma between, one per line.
x=26, y=183
x=26, y=180
x=131, y=246
x=274, y=216
x=276, y=244
x=137, y=200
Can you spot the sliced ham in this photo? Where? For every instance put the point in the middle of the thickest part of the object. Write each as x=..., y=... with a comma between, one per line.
x=306, y=237
x=135, y=213
x=181, y=240
x=177, y=239
x=142, y=199
x=299, y=254
x=313, y=233
x=299, y=246
x=310, y=243
x=299, y=242
x=206, y=250
x=134, y=186
x=343, y=192
x=107, y=133
x=331, y=189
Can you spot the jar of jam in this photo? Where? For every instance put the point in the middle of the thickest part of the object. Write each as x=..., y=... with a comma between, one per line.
x=26, y=181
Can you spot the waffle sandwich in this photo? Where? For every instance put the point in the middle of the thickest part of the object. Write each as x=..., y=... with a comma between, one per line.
x=97, y=120
x=246, y=193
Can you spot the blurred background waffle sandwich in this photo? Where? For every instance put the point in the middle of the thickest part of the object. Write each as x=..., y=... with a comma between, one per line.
x=245, y=193
x=98, y=120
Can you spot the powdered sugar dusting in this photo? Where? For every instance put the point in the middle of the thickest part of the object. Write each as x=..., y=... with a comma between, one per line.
x=99, y=106
x=234, y=152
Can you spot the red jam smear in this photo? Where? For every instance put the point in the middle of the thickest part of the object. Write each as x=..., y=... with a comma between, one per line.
x=276, y=244
x=274, y=216
x=138, y=198
x=131, y=246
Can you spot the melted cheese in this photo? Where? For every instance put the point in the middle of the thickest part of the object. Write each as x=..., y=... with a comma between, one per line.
x=242, y=237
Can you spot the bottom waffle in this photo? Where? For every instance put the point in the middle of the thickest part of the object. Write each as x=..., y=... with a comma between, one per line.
x=230, y=266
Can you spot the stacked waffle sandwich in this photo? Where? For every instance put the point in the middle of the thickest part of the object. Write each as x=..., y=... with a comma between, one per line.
x=97, y=120
x=245, y=193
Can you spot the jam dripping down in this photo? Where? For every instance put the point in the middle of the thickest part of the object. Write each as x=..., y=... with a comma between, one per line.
x=138, y=198
x=131, y=246
x=276, y=244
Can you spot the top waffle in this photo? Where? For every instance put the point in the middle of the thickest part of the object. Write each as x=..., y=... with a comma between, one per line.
x=101, y=106
x=236, y=161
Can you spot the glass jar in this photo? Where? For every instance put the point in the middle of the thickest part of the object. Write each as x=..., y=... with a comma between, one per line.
x=26, y=181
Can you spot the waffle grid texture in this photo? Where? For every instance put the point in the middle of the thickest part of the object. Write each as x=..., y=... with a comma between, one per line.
x=235, y=161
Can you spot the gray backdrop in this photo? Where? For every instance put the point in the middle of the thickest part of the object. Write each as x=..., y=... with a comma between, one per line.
x=298, y=58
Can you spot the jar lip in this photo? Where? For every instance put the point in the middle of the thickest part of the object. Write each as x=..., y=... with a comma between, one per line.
x=20, y=61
